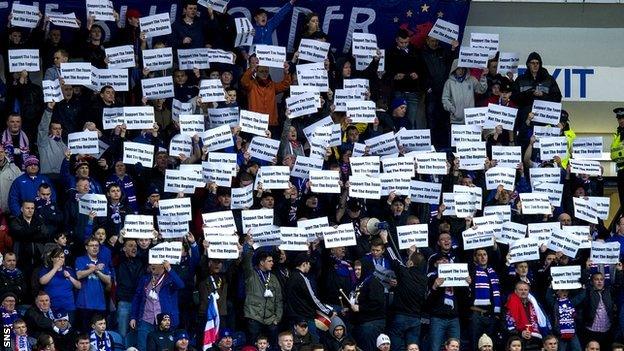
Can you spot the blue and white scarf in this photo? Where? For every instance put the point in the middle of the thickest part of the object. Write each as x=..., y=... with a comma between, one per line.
x=487, y=289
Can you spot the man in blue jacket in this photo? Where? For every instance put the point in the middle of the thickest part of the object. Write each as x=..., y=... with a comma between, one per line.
x=24, y=187
x=264, y=27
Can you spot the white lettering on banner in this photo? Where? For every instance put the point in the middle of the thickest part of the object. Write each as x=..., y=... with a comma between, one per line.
x=24, y=16
x=297, y=90
x=488, y=41
x=502, y=211
x=304, y=164
x=157, y=88
x=181, y=108
x=157, y=59
x=223, y=246
x=253, y=122
x=454, y=274
x=535, y=204
x=605, y=253
x=425, y=192
x=567, y=244
x=293, y=239
x=431, y=163
x=270, y=55
x=134, y=153
x=93, y=203
x=470, y=57
x=444, y=31
x=192, y=124
x=220, y=56
x=501, y=115
x=222, y=221
x=506, y=156
x=216, y=5
x=448, y=200
x=316, y=79
x=244, y=30
x=511, y=232
x=264, y=148
x=172, y=227
x=413, y=235
x=499, y=175
x=139, y=227
x=167, y=251
x=180, y=144
x=591, y=168
x=465, y=133
x=363, y=187
x=115, y=77
x=341, y=236
x=475, y=116
x=155, y=25
x=544, y=132
x=138, y=117
x=566, y=278
x=546, y=112
x=52, y=91
x=302, y=105
x=384, y=144
x=587, y=148
x=398, y=165
x=313, y=50
x=553, y=190
x=24, y=60
x=523, y=250
x=86, y=142
x=584, y=210
x=76, y=73
x=242, y=198
x=120, y=56
x=103, y=10
x=508, y=62
x=364, y=48
x=217, y=172
x=553, y=146
x=475, y=238
x=365, y=166
x=193, y=58
x=545, y=175
x=361, y=111
x=341, y=96
x=256, y=218
x=355, y=83
x=542, y=231
x=221, y=116
x=601, y=204
x=325, y=182
x=414, y=139
x=472, y=155
x=312, y=228
x=267, y=235
x=211, y=90
x=399, y=183
x=179, y=208
x=180, y=181
x=274, y=177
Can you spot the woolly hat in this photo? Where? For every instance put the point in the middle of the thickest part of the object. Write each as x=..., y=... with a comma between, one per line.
x=30, y=161
x=133, y=13
x=485, y=340
x=397, y=102
x=382, y=339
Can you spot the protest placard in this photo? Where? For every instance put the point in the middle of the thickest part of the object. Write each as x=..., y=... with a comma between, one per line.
x=397, y=183
x=293, y=239
x=587, y=148
x=275, y=177
x=216, y=5
x=316, y=79
x=120, y=56
x=553, y=146
x=221, y=116
x=487, y=41
x=266, y=235
x=364, y=48
x=474, y=116
x=584, y=210
x=112, y=117
x=24, y=16
x=179, y=208
x=499, y=175
x=254, y=123
x=533, y=203
x=157, y=88
x=177, y=181
x=93, y=203
x=134, y=153
x=192, y=124
x=414, y=139
x=506, y=156
x=86, y=142
x=138, y=117
x=502, y=211
x=324, y=122
x=431, y=163
x=479, y=237
x=167, y=251
x=180, y=144
x=223, y=246
x=413, y=235
x=544, y=132
x=341, y=236
x=501, y=115
x=264, y=148
x=157, y=59
x=465, y=133
x=52, y=90
x=465, y=205
x=511, y=232
x=425, y=192
x=567, y=244
x=76, y=73
x=155, y=25
x=361, y=111
x=341, y=96
x=139, y=227
x=364, y=187
x=218, y=173
x=582, y=232
x=494, y=221
x=553, y=190
x=524, y=250
x=454, y=274
x=601, y=204
x=359, y=150
x=325, y=181
x=444, y=31
x=472, y=155
x=193, y=58
x=242, y=198
x=220, y=56
x=508, y=62
x=313, y=228
x=270, y=55
x=304, y=164
x=398, y=165
x=256, y=218
x=470, y=57
x=605, y=253
x=475, y=191
x=546, y=112
x=301, y=105
x=24, y=60
x=211, y=90
x=545, y=175
x=102, y=10
x=117, y=78
x=172, y=227
x=566, y=278
x=313, y=50
x=331, y=134
x=63, y=19
x=356, y=83
x=297, y=90
x=542, y=231
x=220, y=221
x=384, y=144
x=244, y=30
x=365, y=166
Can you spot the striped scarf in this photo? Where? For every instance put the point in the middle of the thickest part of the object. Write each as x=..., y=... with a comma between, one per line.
x=103, y=343
x=487, y=289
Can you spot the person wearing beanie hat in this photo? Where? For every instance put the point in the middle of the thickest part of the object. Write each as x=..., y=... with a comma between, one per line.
x=459, y=91
x=398, y=111
x=24, y=187
x=485, y=343
x=162, y=337
x=182, y=341
x=383, y=342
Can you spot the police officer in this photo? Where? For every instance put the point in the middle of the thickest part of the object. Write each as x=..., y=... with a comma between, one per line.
x=617, y=151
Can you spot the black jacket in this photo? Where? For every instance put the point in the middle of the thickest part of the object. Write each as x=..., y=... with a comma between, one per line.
x=14, y=283
x=435, y=300
x=301, y=300
x=160, y=340
x=371, y=301
x=38, y=322
x=128, y=273
x=400, y=61
x=411, y=291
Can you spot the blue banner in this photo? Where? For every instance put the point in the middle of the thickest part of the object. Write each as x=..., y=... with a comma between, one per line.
x=338, y=18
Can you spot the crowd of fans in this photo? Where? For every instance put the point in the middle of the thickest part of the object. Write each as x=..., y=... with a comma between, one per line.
x=72, y=280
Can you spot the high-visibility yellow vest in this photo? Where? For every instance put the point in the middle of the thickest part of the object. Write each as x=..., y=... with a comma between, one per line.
x=570, y=136
x=617, y=152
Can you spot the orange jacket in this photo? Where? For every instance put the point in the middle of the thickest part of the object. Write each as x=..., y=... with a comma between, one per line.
x=260, y=98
